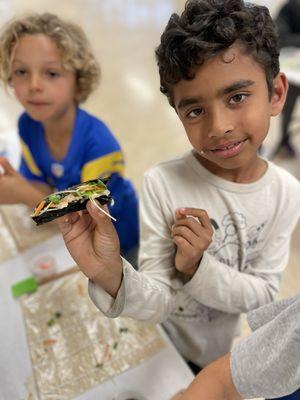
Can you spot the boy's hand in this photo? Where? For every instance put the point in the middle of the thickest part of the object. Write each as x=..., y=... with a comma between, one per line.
x=192, y=234
x=11, y=183
x=178, y=396
x=93, y=243
x=6, y=168
x=14, y=188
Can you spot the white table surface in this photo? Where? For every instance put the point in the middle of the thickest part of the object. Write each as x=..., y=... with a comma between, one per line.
x=158, y=378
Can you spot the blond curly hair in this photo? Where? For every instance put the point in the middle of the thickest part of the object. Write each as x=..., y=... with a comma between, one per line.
x=69, y=38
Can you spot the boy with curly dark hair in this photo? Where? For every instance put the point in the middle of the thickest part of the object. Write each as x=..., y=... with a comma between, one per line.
x=216, y=222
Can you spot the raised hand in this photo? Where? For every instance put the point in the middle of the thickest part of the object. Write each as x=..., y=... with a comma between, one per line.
x=93, y=243
x=192, y=233
x=11, y=183
x=14, y=188
x=6, y=167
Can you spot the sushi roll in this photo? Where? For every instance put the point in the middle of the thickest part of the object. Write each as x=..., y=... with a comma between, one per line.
x=72, y=199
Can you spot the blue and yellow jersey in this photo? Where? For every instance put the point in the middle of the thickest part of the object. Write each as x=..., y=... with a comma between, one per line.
x=93, y=152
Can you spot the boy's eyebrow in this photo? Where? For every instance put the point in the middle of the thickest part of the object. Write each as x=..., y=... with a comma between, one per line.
x=236, y=86
x=242, y=84
x=46, y=62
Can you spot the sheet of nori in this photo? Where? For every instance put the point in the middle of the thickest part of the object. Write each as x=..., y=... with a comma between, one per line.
x=50, y=215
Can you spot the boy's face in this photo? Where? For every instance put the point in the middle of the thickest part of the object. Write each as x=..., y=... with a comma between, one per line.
x=226, y=111
x=40, y=82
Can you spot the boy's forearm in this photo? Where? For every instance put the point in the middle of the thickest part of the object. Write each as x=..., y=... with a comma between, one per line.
x=20, y=191
x=213, y=383
x=31, y=193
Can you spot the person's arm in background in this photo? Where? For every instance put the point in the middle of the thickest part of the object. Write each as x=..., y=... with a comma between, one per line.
x=16, y=189
x=288, y=25
x=214, y=382
x=27, y=185
x=264, y=364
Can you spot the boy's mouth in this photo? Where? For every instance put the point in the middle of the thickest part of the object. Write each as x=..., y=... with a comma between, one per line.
x=229, y=149
x=37, y=103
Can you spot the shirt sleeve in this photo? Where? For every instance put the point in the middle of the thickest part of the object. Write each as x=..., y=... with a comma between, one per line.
x=139, y=297
x=224, y=288
x=103, y=154
x=27, y=173
x=266, y=363
x=262, y=315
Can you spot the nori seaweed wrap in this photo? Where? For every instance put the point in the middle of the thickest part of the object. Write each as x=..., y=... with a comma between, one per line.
x=71, y=199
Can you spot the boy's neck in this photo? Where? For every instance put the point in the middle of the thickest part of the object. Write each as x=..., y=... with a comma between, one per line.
x=61, y=127
x=247, y=174
x=58, y=133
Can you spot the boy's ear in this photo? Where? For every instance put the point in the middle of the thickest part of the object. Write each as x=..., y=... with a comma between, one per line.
x=280, y=88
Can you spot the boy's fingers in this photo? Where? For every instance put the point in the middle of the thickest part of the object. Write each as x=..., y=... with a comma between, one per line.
x=197, y=213
x=66, y=221
x=192, y=223
x=197, y=241
x=101, y=219
x=184, y=243
x=191, y=230
x=179, y=214
x=6, y=166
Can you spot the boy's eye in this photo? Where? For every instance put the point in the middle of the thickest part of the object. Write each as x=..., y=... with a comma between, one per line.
x=195, y=113
x=19, y=72
x=238, y=98
x=53, y=74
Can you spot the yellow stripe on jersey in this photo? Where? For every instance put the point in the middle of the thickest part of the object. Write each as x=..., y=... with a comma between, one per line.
x=29, y=159
x=103, y=166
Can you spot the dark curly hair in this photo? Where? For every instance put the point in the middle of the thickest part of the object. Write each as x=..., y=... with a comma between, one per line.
x=208, y=27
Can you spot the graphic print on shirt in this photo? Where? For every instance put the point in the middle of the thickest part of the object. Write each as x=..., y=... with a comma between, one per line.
x=235, y=243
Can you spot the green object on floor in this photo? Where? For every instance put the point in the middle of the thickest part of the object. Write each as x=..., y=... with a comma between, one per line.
x=27, y=285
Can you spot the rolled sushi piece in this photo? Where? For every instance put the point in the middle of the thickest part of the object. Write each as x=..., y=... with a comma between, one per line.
x=72, y=199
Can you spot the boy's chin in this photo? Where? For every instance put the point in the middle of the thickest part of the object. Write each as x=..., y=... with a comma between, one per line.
x=235, y=162
x=38, y=117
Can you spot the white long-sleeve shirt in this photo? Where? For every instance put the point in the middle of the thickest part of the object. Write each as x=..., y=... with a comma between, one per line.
x=240, y=271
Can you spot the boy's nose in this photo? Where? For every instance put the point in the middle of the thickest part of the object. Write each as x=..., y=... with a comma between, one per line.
x=35, y=82
x=220, y=123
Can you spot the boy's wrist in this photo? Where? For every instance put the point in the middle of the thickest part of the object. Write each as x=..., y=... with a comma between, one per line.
x=29, y=194
x=33, y=192
x=110, y=278
x=191, y=271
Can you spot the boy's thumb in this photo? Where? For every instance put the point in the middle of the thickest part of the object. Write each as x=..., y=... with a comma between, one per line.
x=101, y=218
